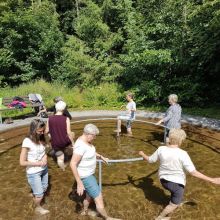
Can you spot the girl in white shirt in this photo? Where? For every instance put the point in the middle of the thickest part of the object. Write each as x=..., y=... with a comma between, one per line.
x=171, y=174
x=128, y=116
x=33, y=156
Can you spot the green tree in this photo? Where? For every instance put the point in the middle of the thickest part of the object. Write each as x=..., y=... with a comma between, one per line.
x=31, y=40
x=77, y=68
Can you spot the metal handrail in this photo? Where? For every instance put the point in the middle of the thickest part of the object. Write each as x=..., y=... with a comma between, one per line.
x=123, y=160
x=118, y=160
x=100, y=119
x=114, y=161
x=136, y=120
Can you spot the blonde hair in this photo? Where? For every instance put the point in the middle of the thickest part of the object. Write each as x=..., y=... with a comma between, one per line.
x=177, y=136
x=173, y=97
x=130, y=95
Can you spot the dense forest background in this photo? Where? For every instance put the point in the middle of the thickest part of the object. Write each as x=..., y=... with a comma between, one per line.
x=150, y=47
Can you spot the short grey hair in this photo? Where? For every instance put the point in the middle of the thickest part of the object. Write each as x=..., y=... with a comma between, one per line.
x=173, y=97
x=91, y=129
x=60, y=106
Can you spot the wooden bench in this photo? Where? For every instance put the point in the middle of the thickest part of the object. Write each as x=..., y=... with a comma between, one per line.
x=8, y=100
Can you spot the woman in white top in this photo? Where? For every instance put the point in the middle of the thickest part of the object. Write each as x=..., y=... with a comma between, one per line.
x=128, y=116
x=173, y=162
x=83, y=165
x=33, y=156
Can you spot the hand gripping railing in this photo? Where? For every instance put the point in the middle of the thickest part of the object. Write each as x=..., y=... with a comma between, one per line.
x=114, y=161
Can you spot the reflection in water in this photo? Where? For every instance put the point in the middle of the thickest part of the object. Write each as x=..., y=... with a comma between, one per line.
x=131, y=190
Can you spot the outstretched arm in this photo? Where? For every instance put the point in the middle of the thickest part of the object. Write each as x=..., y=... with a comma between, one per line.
x=159, y=122
x=141, y=153
x=168, y=116
x=150, y=159
x=199, y=175
x=104, y=159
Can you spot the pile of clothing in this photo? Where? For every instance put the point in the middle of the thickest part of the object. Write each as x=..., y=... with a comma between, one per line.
x=17, y=102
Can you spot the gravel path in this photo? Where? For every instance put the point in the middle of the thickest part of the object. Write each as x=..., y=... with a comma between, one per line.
x=210, y=123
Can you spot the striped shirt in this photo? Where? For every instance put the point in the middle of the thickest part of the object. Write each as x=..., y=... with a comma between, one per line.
x=173, y=116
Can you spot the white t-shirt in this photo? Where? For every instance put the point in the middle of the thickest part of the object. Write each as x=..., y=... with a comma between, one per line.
x=173, y=162
x=131, y=106
x=87, y=165
x=35, y=153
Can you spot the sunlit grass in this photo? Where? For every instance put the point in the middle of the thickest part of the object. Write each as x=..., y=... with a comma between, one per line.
x=103, y=97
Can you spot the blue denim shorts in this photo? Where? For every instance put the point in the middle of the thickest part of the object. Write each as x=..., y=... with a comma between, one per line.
x=38, y=182
x=127, y=119
x=91, y=186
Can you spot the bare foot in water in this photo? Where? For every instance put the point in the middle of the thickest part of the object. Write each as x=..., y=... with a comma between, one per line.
x=162, y=218
x=93, y=213
x=117, y=131
x=90, y=213
x=128, y=135
x=40, y=210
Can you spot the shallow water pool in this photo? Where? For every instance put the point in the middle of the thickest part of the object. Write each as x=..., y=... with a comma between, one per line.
x=131, y=190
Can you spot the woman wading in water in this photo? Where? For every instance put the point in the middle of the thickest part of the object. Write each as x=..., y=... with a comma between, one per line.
x=83, y=165
x=173, y=161
x=33, y=156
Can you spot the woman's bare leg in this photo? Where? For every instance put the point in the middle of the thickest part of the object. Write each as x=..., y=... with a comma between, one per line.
x=119, y=125
x=100, y=206
x=60, y=162
x=39, y=209
x=129, y=131
x=86, y=203
x=101, y=209
x=167, y=210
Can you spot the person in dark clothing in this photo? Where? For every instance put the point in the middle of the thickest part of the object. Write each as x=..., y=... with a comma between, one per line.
x=53, y=108
x=58, y=127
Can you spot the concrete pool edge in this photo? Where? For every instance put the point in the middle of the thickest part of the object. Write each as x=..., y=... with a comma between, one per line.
x=204, y=122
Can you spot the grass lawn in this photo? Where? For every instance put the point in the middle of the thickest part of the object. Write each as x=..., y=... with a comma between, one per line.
x=103, y=97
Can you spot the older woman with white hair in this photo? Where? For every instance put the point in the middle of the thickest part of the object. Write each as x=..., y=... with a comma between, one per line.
x=83, y=165
x=172, y=117
x=58, y=126
x=174, y=161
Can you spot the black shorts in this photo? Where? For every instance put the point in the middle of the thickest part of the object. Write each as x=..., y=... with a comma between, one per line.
x=67, y=151
x=175, y=189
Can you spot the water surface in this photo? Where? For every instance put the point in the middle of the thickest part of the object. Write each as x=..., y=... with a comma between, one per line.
x=131, y=190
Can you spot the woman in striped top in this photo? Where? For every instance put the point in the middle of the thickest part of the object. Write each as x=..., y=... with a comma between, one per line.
x=172, y=117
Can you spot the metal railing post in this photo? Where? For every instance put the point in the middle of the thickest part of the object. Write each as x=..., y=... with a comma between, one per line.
x=100, y=175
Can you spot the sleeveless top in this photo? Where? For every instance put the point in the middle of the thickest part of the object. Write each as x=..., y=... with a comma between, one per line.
x=58, y=131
